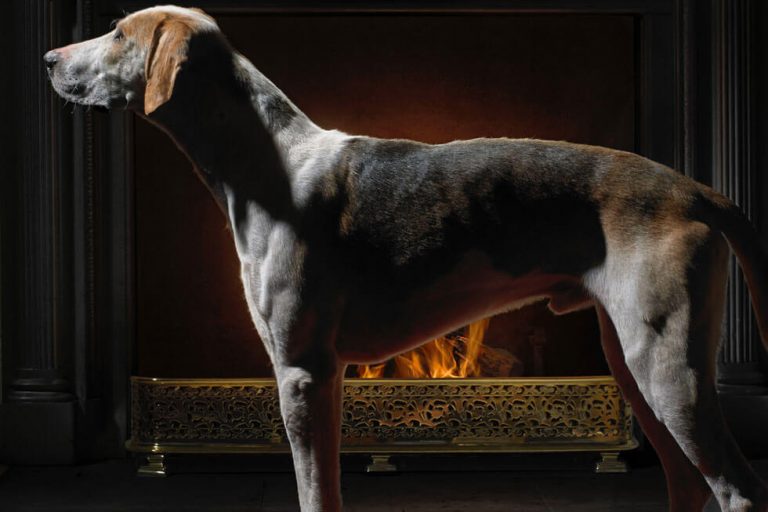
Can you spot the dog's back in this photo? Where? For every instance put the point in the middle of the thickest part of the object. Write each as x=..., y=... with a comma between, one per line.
x=419, y=206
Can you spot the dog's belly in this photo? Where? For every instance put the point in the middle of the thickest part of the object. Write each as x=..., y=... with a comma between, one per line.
x=376, y=328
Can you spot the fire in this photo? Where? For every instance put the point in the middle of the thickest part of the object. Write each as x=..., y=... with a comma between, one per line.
x=375, y=371
x=442, y=358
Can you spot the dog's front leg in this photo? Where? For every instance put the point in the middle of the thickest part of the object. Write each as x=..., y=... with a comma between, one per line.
x=310, y=402
x=299, y=333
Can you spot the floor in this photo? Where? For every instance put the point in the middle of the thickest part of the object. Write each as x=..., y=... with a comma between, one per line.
x=114, y=486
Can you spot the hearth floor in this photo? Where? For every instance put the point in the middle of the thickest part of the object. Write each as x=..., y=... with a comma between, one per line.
x=113, y=486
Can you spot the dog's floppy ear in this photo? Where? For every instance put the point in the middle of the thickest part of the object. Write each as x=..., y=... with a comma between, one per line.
x=167, y=52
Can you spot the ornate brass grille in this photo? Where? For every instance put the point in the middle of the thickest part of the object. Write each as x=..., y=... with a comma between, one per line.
x=388, y=416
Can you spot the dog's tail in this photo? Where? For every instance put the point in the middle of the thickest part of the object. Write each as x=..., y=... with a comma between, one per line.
x=721, y=213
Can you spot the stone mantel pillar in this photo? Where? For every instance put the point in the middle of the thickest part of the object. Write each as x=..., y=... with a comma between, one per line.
x=38, y=413
x=742, y=383
x=37, y=377
x=734, y=174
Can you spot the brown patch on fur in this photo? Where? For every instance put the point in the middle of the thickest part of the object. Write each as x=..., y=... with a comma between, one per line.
x=641, y=201
x=167, y=53
x=166, y=36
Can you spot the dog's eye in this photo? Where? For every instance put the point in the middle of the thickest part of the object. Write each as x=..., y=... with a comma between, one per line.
x=118, y=36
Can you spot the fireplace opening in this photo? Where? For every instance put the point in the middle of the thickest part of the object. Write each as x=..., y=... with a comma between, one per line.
x=536, y=382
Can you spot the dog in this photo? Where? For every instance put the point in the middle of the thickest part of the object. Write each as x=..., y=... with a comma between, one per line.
x=354, y=249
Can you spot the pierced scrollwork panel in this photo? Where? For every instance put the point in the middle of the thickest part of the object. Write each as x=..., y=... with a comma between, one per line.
x=462, y=410
x=199, y=412
x=389, y=412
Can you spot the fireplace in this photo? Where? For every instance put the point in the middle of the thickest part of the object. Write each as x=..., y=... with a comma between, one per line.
x=521, y=381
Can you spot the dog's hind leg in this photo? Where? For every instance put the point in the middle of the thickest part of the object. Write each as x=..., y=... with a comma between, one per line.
x=310, y=402
x=686, y=488
x=666, y=305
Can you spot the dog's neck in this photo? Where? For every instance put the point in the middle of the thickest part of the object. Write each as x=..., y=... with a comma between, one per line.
x=288, y=126
x=241, y=133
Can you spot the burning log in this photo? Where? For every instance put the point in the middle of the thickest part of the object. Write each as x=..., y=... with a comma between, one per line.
x=499, y=362
x=456, y=355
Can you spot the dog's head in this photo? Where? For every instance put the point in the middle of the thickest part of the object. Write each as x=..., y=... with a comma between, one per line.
x=133, y=66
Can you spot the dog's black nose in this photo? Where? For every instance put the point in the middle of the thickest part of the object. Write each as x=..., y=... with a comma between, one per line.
x=50, y=59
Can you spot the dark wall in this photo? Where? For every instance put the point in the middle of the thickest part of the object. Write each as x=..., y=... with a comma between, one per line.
x=761, y=112
x=9, y=141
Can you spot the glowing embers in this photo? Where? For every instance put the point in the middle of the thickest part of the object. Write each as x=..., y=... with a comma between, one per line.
x=458, y=355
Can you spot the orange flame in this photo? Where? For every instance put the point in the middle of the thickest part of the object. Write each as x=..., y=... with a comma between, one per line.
x=439, y=359
x=374, y=371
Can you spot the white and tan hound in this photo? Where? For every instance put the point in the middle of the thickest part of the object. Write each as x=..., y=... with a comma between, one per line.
x=354, y=249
